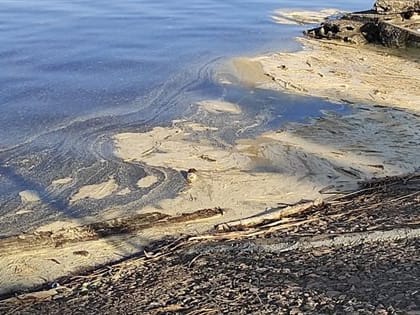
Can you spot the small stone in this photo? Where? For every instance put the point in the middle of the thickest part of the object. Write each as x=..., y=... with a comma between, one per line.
x=380, y=311
x=295, y=311
x=191, y=175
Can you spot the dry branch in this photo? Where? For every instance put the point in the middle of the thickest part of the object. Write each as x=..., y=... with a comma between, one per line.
x=268, y=217
x=250, y=232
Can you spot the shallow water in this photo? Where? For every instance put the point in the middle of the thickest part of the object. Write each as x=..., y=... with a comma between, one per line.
x=75, y=72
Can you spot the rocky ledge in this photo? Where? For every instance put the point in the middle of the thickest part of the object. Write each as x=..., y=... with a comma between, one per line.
x=392, y=23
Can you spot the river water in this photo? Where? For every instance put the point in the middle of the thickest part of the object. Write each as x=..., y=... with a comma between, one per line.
x=75, y=72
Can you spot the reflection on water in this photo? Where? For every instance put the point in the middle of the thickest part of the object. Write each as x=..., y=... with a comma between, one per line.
x=75, y=72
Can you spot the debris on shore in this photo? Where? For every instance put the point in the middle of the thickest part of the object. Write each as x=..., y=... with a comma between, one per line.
x=352, y=254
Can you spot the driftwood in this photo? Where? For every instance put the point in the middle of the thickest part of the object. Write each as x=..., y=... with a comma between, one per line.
x=269, y=216
x=252, y=232
x=98, y=230
x=392, y=23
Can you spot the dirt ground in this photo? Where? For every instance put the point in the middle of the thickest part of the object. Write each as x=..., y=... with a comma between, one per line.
x=354, y=254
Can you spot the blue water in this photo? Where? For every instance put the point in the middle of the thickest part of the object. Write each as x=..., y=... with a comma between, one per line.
x=60, y=60
x=73, y=73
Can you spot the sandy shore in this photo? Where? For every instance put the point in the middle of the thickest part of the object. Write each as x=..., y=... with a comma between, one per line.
x=345, y=73
x=249, y=176
x=283, y=166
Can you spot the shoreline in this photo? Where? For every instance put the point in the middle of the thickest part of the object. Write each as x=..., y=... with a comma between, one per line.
x=342, y=72
x=331, y=154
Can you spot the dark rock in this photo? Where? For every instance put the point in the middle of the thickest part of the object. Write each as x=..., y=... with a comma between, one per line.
x=399, y=27
x=396, y=6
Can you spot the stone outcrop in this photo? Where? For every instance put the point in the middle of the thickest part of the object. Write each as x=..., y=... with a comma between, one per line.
x=392, y=23
x=396, y=6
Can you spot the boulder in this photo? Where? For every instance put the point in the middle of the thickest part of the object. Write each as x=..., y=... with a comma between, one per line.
x=396, y=6
x=392, y=23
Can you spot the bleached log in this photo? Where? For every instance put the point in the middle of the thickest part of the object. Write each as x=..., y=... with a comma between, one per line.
x=269, y=216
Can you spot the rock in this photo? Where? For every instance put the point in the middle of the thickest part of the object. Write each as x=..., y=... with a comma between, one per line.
x=295, y=311
x=391, y=35
x=396, y=6
x=399, y=27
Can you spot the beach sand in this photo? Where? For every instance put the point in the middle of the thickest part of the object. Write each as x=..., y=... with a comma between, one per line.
x=346, y=73
x=283, y=166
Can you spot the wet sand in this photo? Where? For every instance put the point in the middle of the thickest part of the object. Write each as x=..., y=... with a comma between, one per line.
x=283, y=166
x=346, y=73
